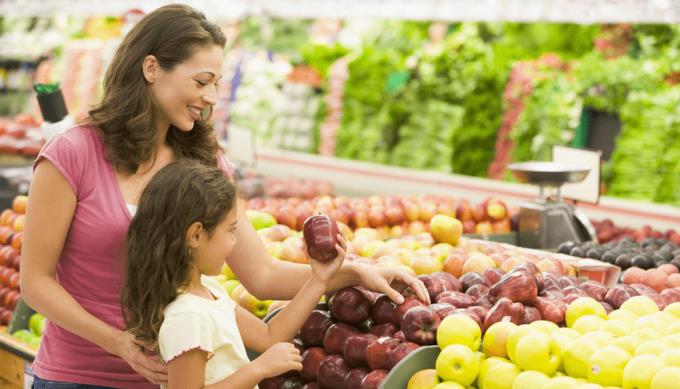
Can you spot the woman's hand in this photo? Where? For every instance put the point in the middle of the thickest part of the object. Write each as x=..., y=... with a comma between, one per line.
x=391, y=281
x=324, y=271
x=132, y=351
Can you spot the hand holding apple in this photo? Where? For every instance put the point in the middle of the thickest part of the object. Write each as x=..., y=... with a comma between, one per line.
x=325, y=270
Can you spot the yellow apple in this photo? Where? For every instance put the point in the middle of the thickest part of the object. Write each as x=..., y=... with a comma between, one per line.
x=583, y=306
x=607, y=364
x=441, y=251
x=671, y=357
x=588, y=323
x=544, y=326
x=459, y=329
x=640, y=370
x=666, y=378
x=628, y=342
x=603, y=338
x=485, y=366
x=655, y=347
x=624, y=315
x=457, y=363
x=515, y=336
x=495, y=339
x=577, y=357
x=477, y=263
x=370, y=248
x=530, y=379
x=648, y=333
x=640, y=305
x=673, y=309
x=230, y=285
x=501, y=376
x=425, y=265
x=448, y=385
x=424, y=379
x=616, y=327
x=564, y=336
x=562, y=382
x=539, y=352
x=673, y=340
x=446, y=229
x=226, y=270
x=651, y=322
x=589, y=386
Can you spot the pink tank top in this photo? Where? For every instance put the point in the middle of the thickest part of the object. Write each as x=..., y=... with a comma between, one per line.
x=91, y=264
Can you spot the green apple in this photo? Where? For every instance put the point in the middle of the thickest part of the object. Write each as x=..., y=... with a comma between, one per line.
x=257, y=307
x=530, y=379
x=544, y=326
x=588, y=323
x=459, y=329
x=673, y=309
x=34, y=341
x=538, y=352
x=230, y=285
x=448, y=385
x=625, y=315
x=226, y=270
x=260, y=220
x=583, y=306
x=671, y=357
x=495, y=339
x=485, y=366
x=424, y=379
x=36, y=323
x=616, y=327
x=628, y=342
x=22, y=335
x=640, y=305
x=607, y=364
x=458, y=363
x=515, y=336
x=654, y=347
x=666, y=378
x=577, y=357
x=563, y=382
x=501, y=376
x=640, y=370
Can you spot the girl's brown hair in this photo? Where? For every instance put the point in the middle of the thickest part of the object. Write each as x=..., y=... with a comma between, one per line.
x=126, y=113
x=158, y=258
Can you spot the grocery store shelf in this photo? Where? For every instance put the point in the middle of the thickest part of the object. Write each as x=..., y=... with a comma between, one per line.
x=576, y=11
x=364, y=179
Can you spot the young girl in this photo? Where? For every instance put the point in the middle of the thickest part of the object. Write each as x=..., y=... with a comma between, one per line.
x=182, y=232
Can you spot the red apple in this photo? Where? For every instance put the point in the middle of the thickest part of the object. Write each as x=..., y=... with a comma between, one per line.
x=355, y=349
x=480, y=311
x=320, y=233
x=469, y=279
x=433, y=285
x=531, y=315
x=311, y=360
x=386, y=329
x=354, y=378
x=350, y=305
x=314, y=329
x=332, y=372
x=395, y=215
x=457, y=299
x=442, y=309
x=376, y=353
x=471, y=315
x=399, y=335
x=409, y=302
x=493, y=275
x=374, y=379
x=400, y=352
x=477, y=291
x=382, y=310
x=420, y=325
x=336, y=337
x=464, y=211
x=449, y=281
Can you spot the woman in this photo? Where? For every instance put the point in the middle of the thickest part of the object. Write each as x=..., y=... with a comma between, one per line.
x=158, y=92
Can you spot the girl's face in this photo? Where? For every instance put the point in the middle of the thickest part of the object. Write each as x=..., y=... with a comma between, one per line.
x=212, y=251
x=189, y=89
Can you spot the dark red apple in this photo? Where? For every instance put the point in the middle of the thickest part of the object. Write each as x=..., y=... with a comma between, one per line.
x=450, y=281
x=594, y=289
x=376, y=353
x=400, y=352
x=493, y=275
x=531, y=315
x=399, y=335
x=272, y=383
x=336, y=337
x=400, y=311
x=382, y=310
x=457, y=299
x=311, y=359
x=355, y=349
x=642, y=289
x=469, y=279
x=470, y=314
x=354, y=378
x=434, y=285
x=420, y=325
x=477, y=291
x=292, y=383
x=320, y=233
x=442, y=309
x=374, y=379
x=479, y=310
x=618, y=294
x=386, y=329
x=332, y=372
x=551, y=310
x=315, y=327
x=350, y=305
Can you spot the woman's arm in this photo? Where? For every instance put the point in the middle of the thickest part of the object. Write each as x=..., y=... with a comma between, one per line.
x=267, y=278
x=51, y=206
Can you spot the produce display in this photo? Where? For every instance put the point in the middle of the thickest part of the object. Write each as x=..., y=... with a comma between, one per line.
x=254, y=185
x=11, y=237
x=607, y=231
x=650, y=253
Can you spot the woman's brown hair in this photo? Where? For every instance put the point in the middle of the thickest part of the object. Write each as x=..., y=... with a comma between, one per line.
x=126, y=113
x=158, y=258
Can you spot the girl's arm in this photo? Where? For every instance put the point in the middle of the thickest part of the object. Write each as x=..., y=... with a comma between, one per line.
x=51, y=206
x=267, y=278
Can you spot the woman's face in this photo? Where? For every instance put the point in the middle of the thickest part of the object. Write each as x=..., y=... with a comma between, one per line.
x=189, y=89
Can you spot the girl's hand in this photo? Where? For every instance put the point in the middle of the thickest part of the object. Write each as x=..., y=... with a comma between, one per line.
x=391, y=281
x=278, y=359
x=324, y=271
x=128, y=348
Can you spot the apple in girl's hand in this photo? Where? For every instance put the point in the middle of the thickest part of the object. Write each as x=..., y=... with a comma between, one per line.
x=320, y=233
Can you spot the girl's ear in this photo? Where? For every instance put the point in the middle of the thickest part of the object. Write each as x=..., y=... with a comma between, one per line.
x=194, y=234
x=150, y=68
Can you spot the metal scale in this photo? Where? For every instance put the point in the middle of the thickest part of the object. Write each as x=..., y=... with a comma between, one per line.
x=548, y=221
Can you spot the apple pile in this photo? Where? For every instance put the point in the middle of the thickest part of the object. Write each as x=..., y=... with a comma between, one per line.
x=607, y=231
x=649, y=253
x=11, y=237
x=395, y=216
x=634, y=346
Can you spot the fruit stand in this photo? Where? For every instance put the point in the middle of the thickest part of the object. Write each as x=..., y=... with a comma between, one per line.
x=400, y=133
